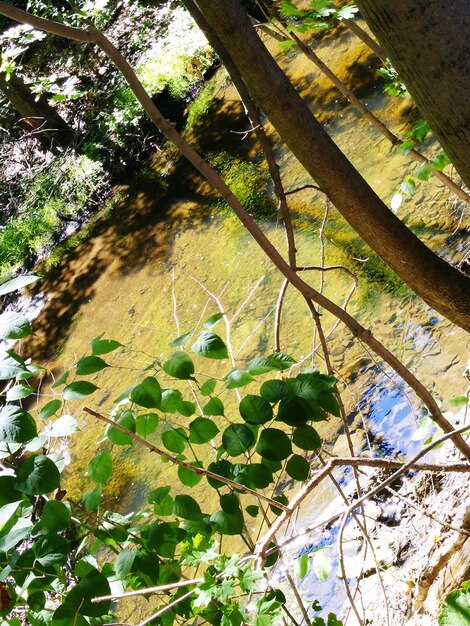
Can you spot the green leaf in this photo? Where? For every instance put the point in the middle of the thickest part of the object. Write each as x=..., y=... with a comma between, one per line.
x=227, y=524
x=456, y=608
x=282, y=499
x=187, y=508
x=7, y=511
x=50, y=409
x=213, y=320
x=202, y=430
x=301, y=566
x=103, y=346
x=158, y=495
x=186, y=408
x=78, y=390
x=37, y=476
x=214, y=407
x=11, y=365
x=116, y=436
x=275, y=362
x=423, y=172
x=458, y=401
x=16, y=425
x=407, y=147
x=408, y=186
x=31, y=370
x=237, y=439
x=18, y=392
x=306, y=438
x=255, y=409
x=287, y=45
x=63, y=427
x=179, y=340
x=420, y=131
x=148, y=393
x=440, y=161
x=274, y=445
x=273, y=390
x=208, y=387
x=222, y=468
x=14, y=326
x=294, y=411
x=79, y=598
x=161, y=500
x=321, y=564
x=17, y=283
x=237, y=378
x=55, y=516
x=146, y=424
x=124, y=562
x=179, y=366
x=252, y=510
x=100, y=468
x=175, y=440
x=165, y=507
x=61, y=381
x=171, y=399
x=329, y=403
x=189, y=478
x=90, y=365
x=8, y=492
x=92, y=499
x=256, y=476
x=210, y=346
x=297, y=467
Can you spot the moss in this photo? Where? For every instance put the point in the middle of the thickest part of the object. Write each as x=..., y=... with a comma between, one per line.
x=204, y=101
x=249, y=181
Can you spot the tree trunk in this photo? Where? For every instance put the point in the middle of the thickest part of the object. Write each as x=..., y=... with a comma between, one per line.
x=439, y=284
x=37, y=116
x=429, y=45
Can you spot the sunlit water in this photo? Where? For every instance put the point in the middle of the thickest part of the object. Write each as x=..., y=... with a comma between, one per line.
x=147, y=274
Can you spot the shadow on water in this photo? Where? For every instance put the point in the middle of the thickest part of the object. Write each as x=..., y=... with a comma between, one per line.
x=138, y=231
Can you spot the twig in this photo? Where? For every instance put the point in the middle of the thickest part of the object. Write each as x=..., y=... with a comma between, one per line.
x=277, y=319
x=247, y=299
x=166, y=608
x=302, y=188
x=420, y=509
x=385, y=483
x=362, y=462
x=175, y=307
x=141, y=592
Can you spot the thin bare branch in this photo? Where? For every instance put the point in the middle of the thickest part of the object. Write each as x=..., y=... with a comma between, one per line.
x=142, y=592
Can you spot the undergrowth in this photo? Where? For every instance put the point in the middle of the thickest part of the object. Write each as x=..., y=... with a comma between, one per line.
x=63, y=192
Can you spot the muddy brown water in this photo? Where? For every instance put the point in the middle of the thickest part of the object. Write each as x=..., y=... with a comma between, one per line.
x=150, y=271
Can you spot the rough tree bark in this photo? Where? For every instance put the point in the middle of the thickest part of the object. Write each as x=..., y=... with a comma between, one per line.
x=439, y=284
x=36, y=115
x=429, y=45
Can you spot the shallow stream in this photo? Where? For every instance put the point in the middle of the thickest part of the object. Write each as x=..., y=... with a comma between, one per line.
x=149, y=273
